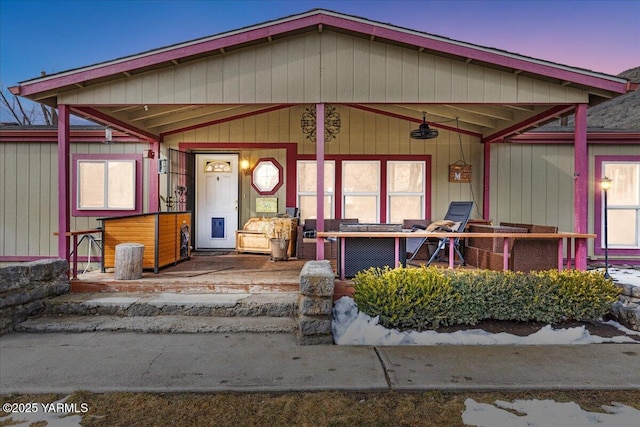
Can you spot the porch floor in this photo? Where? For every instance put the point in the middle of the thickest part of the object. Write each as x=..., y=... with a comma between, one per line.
x=215, y=272
x=204, y=272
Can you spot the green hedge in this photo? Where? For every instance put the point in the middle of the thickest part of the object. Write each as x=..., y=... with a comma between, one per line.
x=426, y=298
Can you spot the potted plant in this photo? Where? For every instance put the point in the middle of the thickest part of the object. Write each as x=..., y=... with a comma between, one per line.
x=279, y=233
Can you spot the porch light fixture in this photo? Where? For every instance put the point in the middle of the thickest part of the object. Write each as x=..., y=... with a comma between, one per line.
x=331, y=123
x=424, y=131
x=605, y=185
x=245, y=167
x=108, y=136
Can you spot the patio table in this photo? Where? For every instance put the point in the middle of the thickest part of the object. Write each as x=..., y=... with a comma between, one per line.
x=579, y=238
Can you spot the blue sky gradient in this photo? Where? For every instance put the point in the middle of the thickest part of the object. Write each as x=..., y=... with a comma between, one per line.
x=54, y=36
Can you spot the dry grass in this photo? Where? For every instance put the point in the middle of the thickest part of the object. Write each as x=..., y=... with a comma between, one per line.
x=304, y=409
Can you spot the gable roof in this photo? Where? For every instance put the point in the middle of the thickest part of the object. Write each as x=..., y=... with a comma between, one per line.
x=317, y=20
x=536, y=90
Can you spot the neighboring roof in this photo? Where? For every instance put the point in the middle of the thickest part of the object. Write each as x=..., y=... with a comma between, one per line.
x=618, y=114
x=15, y=132
x=315, y=20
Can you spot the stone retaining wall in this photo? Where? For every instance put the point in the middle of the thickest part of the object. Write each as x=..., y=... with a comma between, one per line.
x=317, y=283
x=627, y=308
x=25, y=286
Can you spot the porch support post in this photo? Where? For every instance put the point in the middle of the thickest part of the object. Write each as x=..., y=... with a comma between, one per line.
x=320, y=179
x=64, y=204
x=581, y=185
x=154, y=180
x=486, y=182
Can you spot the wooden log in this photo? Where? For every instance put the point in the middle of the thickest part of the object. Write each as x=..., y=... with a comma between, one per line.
x=128, y=262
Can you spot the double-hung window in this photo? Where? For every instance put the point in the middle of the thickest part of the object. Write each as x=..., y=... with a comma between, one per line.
x=307, y=188
x=361, y=190
x=405, y=190
x=623, y=204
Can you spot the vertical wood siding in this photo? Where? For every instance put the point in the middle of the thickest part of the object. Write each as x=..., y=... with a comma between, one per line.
x=29, y=195
x=532, y=184
x=324, y=67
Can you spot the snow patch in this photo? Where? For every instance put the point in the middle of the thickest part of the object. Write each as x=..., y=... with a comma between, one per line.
x=546, y=413
x=352, y=327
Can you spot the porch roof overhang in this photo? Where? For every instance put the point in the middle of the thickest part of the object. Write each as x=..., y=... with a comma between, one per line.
x=490, y=121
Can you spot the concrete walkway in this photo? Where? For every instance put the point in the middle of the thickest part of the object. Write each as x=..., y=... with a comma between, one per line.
x=117, y=361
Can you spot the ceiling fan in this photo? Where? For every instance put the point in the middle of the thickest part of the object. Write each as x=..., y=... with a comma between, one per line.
x=424, y=131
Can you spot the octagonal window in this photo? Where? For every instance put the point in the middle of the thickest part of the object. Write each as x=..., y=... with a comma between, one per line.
x=266, y=176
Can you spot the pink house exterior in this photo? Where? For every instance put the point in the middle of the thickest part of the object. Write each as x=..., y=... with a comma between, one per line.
x=240, y=95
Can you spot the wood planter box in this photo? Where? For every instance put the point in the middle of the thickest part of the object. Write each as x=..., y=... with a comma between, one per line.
x=166, y=237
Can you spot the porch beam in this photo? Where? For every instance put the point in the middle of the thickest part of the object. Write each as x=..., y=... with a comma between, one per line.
x=99, y=116
x=319, y=179
x=154, y=180
x=248, y=113
x=190, y=113
x=412, y=119
x=64, y=203
x=528, y=123
x=486, y=182
x=581, y=185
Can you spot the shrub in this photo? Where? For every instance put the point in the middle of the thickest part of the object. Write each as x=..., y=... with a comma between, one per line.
x=427, y=297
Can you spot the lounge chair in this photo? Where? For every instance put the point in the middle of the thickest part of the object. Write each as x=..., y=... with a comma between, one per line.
x=456, y=219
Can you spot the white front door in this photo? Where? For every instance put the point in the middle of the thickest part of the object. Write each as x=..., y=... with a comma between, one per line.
x=216, y=201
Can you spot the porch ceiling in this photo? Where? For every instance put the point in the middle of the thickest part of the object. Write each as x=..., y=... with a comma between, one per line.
x=157, y=121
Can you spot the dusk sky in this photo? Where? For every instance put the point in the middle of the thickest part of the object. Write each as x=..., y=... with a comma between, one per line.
x=54, y=36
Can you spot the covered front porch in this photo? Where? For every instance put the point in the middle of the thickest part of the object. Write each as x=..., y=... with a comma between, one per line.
x=314, y=101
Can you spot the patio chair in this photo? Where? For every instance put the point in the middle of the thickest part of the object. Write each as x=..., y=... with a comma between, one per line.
x=458, y=214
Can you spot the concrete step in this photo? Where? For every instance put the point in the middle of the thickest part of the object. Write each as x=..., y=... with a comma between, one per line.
x=158, y=324
x=166, y=313
x=181, y=286
x=127, y=304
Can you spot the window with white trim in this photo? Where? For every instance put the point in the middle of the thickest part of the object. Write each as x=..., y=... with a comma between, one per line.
x=307, y=188
x=405, y=190
x=361, y=190
x=623, y=202
x=105, y=185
